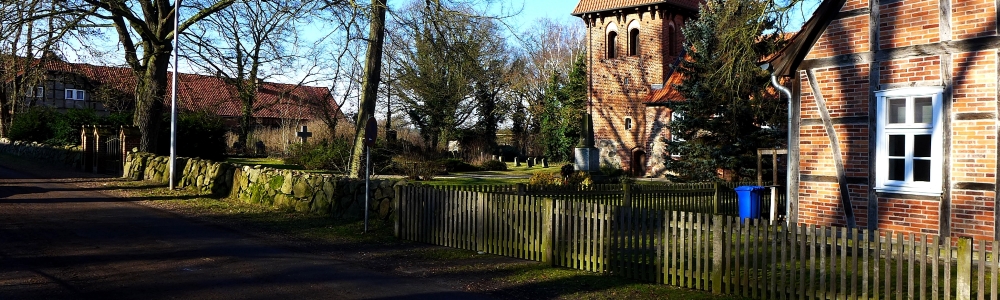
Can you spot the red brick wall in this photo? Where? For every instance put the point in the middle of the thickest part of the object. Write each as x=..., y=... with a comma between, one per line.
x=973, y=137
x=619, y=85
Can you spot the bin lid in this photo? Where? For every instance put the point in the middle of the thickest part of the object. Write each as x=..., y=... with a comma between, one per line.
x=745, y=188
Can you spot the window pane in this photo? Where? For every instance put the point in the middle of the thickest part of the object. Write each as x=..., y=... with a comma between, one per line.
x=79, y=95
x=922, y=145
x=923, y=112
x=69, y=94
x=897, y=145
x=921, y=170
x=897, y=110
x=897, y=169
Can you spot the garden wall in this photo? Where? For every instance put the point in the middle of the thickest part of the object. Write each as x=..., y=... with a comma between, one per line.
x=68, y=155
x=284, y=189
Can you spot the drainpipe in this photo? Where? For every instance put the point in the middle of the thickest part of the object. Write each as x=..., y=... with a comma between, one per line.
x=788, y=94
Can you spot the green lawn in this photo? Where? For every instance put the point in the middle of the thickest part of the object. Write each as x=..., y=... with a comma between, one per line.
x=276, y=163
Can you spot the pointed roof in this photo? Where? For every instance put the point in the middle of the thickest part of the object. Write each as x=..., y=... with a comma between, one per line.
x=592, y=6
x=668, y=93
x=788, y=59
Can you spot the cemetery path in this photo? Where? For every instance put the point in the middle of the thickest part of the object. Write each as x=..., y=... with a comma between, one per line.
x=62, y=241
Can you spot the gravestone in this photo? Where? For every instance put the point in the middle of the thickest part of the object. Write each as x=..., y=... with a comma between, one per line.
x=545, y=163
x=517, y=162
x=304, y=134
x=260, y=148
x=531, y=162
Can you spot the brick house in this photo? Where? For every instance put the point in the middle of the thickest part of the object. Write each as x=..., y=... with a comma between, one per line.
x=631, y=45
x=106, y=89
x=895, y=116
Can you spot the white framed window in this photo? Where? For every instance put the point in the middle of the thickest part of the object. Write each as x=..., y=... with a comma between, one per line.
x=39, y=92
x=908, y=153
x=72, y=94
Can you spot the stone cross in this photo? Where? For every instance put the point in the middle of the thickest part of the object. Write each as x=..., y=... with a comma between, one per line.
x=304, y=134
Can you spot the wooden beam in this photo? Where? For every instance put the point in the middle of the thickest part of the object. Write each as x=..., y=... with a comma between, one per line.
x=838, y=160
x=794, y=128
x=946, y=98
x=939, y=48
x=873, y=83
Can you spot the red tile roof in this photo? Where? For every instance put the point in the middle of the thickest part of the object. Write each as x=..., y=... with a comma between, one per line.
x=590, y=6
x=668, y=93
x=199, y=92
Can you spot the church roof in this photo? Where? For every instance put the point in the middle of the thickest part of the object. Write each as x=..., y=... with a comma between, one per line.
x=591, y=6
x=668, y=93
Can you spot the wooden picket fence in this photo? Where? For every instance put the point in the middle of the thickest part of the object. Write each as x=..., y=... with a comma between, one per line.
x=751, y=258
x=710, y=198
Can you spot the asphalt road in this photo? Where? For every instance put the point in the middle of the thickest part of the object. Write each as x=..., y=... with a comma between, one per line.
x=61, y=241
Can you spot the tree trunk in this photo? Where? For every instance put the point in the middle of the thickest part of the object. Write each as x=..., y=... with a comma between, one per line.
x=151, y=89
x=369, y=87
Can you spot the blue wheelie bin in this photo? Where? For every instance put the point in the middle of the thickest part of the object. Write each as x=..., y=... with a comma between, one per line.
x=748, y=197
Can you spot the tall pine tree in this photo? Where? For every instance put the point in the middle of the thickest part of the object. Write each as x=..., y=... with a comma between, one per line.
x=729, y=107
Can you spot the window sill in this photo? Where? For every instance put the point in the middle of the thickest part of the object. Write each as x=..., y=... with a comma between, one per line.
x=902, y=190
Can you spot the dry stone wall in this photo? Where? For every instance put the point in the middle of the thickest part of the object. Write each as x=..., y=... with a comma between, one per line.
x=284, y=189
x=67, y=155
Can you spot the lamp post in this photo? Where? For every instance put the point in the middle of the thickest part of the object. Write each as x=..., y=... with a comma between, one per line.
x=173, y=97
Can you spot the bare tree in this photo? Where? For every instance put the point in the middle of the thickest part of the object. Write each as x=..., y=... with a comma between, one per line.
x=31, y=32
x=247, y=43
x=148, y=26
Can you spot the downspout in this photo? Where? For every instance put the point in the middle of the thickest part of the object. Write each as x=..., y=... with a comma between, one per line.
x=788, y=175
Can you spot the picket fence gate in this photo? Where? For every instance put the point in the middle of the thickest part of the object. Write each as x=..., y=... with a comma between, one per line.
x=720, y=254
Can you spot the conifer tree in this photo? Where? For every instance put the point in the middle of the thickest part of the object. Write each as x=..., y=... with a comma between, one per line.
x=729, y=111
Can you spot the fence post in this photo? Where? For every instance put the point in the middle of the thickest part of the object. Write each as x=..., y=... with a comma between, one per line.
x=715, y=199
x=964, y=281
x=717, y=253
x=547, y=231
x=521, y=189
x=398, y=189
x=480, y=222
x=626, y=195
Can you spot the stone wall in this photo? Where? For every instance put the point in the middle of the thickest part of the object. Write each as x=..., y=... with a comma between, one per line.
x=284, y=189
x=68, y=155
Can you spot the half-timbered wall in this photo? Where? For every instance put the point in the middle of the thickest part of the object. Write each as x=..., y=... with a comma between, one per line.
x=893, y=46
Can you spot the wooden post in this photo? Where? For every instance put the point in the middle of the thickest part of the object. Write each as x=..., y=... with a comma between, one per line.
x=626, y=195
x=715, y=199
x=964, y=281
x=396, y=204
x=481, y=222
x=547, y=231
x=717, y=237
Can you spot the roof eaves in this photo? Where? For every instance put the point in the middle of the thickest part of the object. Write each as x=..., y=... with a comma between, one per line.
x=687, y=9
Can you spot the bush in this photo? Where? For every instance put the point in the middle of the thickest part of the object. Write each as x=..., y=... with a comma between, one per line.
x=544, y=178
x=494, y=165
x=32, y=125
x=199, y=134
x=456, y=165
x=578, y=178
x=66, y=127
x=325, y=155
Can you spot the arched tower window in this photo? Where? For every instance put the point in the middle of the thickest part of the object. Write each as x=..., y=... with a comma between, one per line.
x=612, y=42
x=672, y=40
x=633, y=38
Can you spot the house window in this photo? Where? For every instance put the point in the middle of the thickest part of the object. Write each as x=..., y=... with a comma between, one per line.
x=628, y=123
x=908, y=142
x=72, y=94
x=39, y=92
x=612, y=36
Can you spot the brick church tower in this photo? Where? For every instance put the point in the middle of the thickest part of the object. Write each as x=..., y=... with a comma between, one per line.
x=631, y=46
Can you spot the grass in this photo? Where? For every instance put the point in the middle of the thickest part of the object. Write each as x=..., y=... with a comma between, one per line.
x=276, y=163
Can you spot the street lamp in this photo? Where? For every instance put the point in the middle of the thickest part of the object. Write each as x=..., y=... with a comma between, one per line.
x=173, y=97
